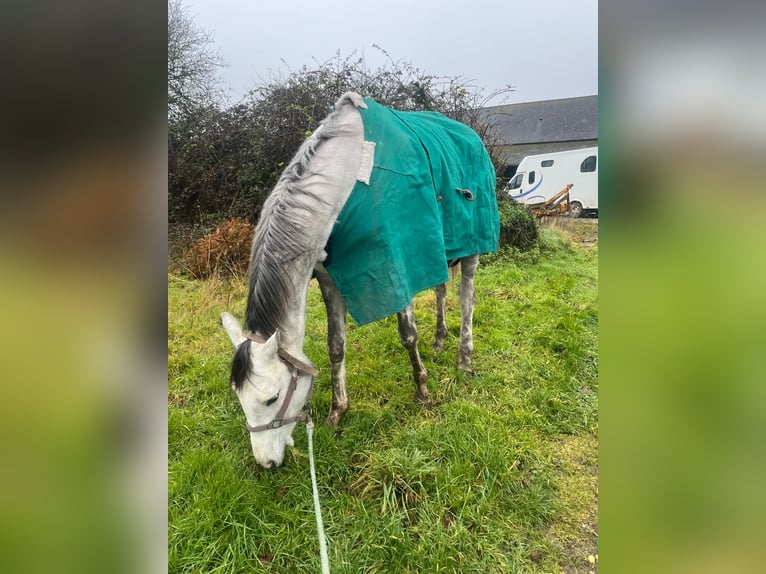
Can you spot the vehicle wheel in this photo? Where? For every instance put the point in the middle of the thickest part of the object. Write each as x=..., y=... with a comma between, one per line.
x=575, y=209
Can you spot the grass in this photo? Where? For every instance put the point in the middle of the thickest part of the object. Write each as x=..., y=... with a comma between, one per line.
x=498, y=476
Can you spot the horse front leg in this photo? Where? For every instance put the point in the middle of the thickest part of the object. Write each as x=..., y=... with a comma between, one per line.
x=336, y=344
x=468, y=267
x=408, y=335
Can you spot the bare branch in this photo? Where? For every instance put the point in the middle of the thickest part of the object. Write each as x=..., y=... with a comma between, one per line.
x=192, y=64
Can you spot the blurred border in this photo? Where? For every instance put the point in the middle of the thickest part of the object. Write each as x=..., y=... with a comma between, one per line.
x=83, y=291
x=682, y=283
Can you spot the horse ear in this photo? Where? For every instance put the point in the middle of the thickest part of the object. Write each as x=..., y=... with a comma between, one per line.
x=232, y=328
x=271, y=346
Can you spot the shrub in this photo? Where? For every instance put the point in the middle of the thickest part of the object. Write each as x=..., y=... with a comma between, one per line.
x=223, y=253
x=518, y=227
x=224, y=162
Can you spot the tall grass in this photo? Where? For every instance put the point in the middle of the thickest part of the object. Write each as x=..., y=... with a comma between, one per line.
x=498, y=476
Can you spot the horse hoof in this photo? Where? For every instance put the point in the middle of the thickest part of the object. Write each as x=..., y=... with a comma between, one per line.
x=423, y=400
x=466, y=368
x=333, y=419
x=438, y=347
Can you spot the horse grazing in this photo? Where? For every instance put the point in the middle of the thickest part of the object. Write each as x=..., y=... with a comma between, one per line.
x=375, y=204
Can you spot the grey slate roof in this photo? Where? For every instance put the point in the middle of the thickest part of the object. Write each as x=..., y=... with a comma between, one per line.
x=568, y=119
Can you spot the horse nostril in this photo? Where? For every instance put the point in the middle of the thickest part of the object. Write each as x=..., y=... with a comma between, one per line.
x=272, y=465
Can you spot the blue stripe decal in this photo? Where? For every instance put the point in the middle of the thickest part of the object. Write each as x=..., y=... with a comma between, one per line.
x=531, y=190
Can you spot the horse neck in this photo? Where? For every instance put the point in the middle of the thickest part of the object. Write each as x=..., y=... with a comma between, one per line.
x=292, y=331
x=324, y=187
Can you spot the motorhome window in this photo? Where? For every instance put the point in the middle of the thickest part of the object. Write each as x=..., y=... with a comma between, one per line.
x=531, y=177
x=588, y=164
x=516, y=181
x=547, y=163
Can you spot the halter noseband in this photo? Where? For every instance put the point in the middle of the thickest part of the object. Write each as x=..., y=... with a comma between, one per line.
x=297, y=368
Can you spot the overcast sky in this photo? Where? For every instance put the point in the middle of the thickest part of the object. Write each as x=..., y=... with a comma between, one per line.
x=546, y=49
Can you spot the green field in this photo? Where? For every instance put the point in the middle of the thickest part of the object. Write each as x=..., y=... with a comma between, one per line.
x=499, y=475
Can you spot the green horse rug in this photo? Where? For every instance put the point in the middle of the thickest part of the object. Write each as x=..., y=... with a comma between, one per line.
x=427, y=198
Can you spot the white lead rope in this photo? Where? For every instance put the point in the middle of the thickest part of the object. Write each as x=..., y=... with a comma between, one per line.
x=317, y=509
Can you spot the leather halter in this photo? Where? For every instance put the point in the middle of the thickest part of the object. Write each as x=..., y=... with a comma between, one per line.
x=297, y=368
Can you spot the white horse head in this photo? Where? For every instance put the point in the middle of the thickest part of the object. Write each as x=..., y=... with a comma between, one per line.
x=261, y=377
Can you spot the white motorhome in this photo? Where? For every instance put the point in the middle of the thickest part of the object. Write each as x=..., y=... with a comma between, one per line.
x=540, y=177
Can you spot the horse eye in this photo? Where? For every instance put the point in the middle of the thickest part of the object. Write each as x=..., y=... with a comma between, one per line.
x=272, y=400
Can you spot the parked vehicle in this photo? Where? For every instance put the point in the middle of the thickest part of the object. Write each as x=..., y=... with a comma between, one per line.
x=540, y=177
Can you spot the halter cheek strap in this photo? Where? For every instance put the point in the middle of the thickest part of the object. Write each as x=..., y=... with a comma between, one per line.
x=297, y=368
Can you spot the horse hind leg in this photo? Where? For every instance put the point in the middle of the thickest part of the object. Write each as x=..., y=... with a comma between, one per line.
x=441, y=317
x=408, y=335
x=468, y=267
x=336, y=345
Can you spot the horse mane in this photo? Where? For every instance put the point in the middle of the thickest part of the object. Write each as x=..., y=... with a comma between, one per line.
x=282, y=234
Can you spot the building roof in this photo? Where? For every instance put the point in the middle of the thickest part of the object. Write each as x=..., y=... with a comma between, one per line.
x=568, y=119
